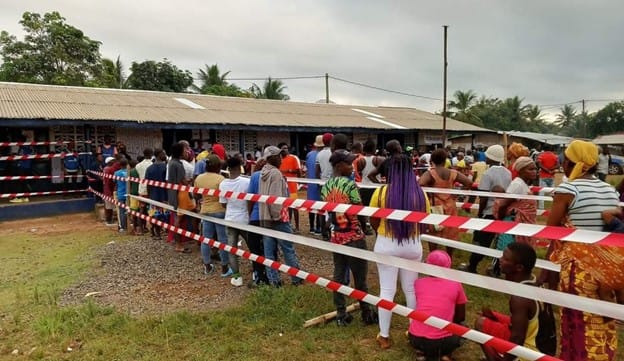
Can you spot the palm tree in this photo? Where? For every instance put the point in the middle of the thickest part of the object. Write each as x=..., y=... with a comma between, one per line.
x=112, y=73
x=462, y=100
x=566, y=117
x=272, y=89
x=209, y=78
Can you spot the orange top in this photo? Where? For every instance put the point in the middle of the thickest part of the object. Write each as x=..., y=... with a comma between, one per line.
x=290, y=165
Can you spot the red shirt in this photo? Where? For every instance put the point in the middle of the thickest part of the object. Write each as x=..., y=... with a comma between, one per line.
x=547, y=160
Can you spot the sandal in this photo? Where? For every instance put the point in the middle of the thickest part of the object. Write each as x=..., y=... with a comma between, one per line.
x=183, y=250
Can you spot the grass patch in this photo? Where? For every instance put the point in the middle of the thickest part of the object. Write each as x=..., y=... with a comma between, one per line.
x=266, y=326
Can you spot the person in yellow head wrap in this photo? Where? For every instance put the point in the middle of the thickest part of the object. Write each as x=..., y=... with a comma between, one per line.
x=515, y=151
x=586, y=270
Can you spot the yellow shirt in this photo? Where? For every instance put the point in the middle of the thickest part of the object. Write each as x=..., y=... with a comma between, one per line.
x=379, y=200
x=210, y=204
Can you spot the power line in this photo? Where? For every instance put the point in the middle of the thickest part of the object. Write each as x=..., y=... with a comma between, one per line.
x=278, y=78
x=383, y=89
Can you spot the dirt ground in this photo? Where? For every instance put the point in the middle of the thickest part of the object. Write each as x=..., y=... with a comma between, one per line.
x=141, y=275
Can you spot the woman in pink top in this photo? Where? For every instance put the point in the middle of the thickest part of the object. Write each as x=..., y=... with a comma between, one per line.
x=441, y=298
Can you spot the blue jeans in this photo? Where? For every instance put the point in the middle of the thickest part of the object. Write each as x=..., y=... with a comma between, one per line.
x=544, y=182
x=123, y=218
x=209, y=229
x=287, y=248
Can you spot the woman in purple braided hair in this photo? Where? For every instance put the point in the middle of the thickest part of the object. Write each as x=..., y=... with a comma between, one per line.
x=396, y=238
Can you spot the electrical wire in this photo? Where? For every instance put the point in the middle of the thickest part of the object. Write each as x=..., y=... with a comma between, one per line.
x=383, y=89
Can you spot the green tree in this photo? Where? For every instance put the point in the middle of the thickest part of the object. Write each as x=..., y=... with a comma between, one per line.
x=566, y=116
x=462, y=103
x=272, y=89
x=213, y=82
x=52, y=52
x=160, y=76
x=607, y=120
x=111, y=75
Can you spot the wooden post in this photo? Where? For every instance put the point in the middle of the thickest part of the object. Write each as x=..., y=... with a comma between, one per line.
x=328, y=316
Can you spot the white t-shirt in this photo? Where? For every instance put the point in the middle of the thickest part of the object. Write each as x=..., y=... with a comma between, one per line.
x=141, y=168
x=518, y=186
x=189, y=168
x=322, y=159
x=603, y=163
x=236, y=209
x=495, y=175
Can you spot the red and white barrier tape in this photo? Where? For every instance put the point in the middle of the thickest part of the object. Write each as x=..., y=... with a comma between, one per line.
x=468, y=206
x=461, y=192
x=30, y=194
x=478, y=224
x=28, y=177
x=19, y=144
x=554, y=297
x=40, y=156
x=500, y=345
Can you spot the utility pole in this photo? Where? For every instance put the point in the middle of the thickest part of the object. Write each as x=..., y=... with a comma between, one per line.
x=444, y=97
x=326, y=88
x=583, y=105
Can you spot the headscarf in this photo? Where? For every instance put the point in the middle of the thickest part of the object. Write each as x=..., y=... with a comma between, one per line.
x=522, y=162
x=518, y=150
x=584, y=155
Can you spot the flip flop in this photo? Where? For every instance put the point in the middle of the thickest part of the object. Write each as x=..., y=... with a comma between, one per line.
x=183, y=250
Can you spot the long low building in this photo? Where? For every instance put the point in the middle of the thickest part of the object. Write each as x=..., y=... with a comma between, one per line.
x=157, y=119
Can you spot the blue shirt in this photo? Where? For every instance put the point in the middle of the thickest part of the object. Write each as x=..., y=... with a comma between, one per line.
x=200, y=167
x=313, y=189
x=157, y=172
x=121, y=184
x=254, y=187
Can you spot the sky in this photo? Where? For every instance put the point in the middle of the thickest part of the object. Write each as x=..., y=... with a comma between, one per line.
x=546, y=52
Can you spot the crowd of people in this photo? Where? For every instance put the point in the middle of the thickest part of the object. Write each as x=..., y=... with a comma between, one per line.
x=358, y=174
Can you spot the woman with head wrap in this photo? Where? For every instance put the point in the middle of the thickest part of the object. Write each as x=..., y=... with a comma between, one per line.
x=515, y=151
x=519, y=210
x=586, y=270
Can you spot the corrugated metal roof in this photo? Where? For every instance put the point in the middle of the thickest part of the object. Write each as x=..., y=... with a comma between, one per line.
x=552, y=139
x=614, y=139
x=31, y=101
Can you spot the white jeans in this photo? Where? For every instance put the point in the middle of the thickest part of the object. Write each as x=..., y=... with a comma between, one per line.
x=388, y=275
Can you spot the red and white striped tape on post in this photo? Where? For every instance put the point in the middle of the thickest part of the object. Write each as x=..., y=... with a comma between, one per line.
x=30, y=194
x=19, y=144
x=469, y=206
x=500, y=345
x=477, y=224
x=29, y=177
x=40, y=156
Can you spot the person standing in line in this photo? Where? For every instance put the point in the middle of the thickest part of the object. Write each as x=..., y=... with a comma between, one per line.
x=379, y=174
x=324, y=171
x=254, y=240
x=291, y=167
x=547, y=163
x=157, y=172
x=210, y=206
x=176, y=175
x=313, y=189
x=396, y=238
x=365, y=165
x=148, y=154
x=107, y=149
x=495, y=179
x=346, y=230
x=275, y=216
x=235, y=211
x=441, y=177
x=604, y=159
x=121, y=190
x=112, y=165
x=515, y=151
x=589, y=271
x=133, y=187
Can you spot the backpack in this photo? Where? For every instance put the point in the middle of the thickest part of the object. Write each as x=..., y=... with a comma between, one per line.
x=546, y=339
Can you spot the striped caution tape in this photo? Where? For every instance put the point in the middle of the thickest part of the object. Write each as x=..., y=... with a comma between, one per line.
x=498, y=344
x=40, y=156
x=29, y=177
x=19, y=144
x=31, y=194
x=478, y=224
